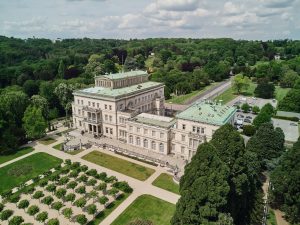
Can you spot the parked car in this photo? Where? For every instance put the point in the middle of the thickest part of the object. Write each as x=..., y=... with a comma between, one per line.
x=240, y=116
x=239, y=122
x=249, y=117
x=293, y=124
x=247, y=120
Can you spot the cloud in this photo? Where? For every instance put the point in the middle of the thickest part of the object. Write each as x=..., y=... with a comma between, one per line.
x=244, y=20
x=277, y=3
x=231, y=9
x=32, y=25
x=178, y=5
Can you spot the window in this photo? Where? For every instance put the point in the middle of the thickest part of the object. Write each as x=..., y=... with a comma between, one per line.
x=182, y=149
x=153, y=133
x=121, y=106
x=145, y=131
x=110, y=118
x=182, y=137
x=162, y=135
x=80, y=123
x=202, y=130
x=161, y=147
x=98, y=105
x=93, y=104
x=194, y=129
x=130, y=139
x=145, y=143
x=89, y=103
x=81, y=102
x=138, y=129
x=78, y=102
x=106, y=130
x=106, y=117
x=153, y=145
x=111, y=131
x=130, y=128
x=121, y=119
x=109, y=107
x=105, y=106
x=198, y=130
x=183, y=126
x=138, y=141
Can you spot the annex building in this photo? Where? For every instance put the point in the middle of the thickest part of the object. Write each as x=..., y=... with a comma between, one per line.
x=128, y=107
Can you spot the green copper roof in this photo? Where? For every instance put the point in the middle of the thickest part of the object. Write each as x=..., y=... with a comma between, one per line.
x=210, y=113
x=133, y=73
x=154, y=120
x=116, y=93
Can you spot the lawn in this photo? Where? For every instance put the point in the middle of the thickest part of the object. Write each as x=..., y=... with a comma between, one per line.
x=280, y=92
x=120, y=165
x=229, y=94
x=101, y=216
x=15, y=154
x=147, y=207
x=25, y=169
x=47, y=141
x=75, y=152
x=271, y=219
x=181, y=99
x=165, y=181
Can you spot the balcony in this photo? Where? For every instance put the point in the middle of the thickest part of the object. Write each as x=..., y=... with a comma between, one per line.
x=197, y=136
x=92, y=121
x=89, y=109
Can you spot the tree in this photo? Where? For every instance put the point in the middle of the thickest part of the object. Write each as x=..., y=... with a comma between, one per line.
x=60, y=193
x=42, y=216
x=267, y=143
x=72, y=184
x=81, y=202
x=47, y=200
x=240, y=83
x=264, y=90
x=57, y=205
x=80, y=190
x=53, y=221
x=38, y=195
x=249, y=130
x=30, y=87
x=103, y=200
x=203, y=188
x=64, y=92
x=285, y=181
x=291, y=102
x=268, y=108
x=23, y=204
x=61, y=70
x=91, y=209
x=81, y=219
x=42, y=103
x=51, y=188
x=245, y=107
x=261, y=118
x=93, y=194
x=1, y=207
x=6, y=214
x=32, y=210
x=70, y=197
x=91, y=182
x=63, y=180
x=102, y=187
x=255, y=109
x=289, y=79
x=16, y=220
x=34, y=123
x=67, y=212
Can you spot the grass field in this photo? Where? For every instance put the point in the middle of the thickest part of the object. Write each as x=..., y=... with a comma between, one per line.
x=271, y=219
x=147, y=207
x=181, y=99
x=165, y=181
x=101, y=216
x=120, y=165
x=280, y=92
x=15, y=154
x=47, y=141
x=25, y=169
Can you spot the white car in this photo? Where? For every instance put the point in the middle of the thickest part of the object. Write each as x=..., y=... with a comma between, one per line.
x=239, y=122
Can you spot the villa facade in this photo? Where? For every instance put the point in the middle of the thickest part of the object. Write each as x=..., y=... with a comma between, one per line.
x=130, y=108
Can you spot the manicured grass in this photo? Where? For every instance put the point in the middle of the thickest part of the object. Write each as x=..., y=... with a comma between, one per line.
x=64, y=132
x=280, y=92
x=58, y=147
x=120, y=165
x=47, y=141
x=15, y=154
x=147, y=207
x=101, y=216
x=271, y=219
x=181, y=99
x=165, y=181
x=25, y=169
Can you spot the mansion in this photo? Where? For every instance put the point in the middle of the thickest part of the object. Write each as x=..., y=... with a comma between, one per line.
x=130, y=108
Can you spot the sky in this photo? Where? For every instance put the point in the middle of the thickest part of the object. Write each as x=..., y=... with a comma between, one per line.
x=125, y=19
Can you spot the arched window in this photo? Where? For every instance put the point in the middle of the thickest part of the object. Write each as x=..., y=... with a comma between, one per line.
x=161, y=147
x=138, y=141
x=130, y=139
x=153, y=145
x=145, y=143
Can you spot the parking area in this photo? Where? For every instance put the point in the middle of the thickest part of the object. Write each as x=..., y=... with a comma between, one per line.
x=252, y=101
x=289, y=128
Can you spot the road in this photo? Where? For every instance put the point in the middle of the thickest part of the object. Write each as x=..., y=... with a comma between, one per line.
x=208, y=94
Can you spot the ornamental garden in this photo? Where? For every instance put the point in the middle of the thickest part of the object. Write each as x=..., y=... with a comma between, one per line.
x=69, y=193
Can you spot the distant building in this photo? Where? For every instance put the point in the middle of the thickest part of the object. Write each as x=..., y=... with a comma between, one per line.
x=277, y=57
x=128, y=107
